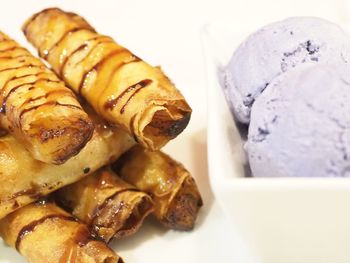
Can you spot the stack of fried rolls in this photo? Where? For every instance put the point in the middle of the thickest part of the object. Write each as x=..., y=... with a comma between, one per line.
x=80, y=159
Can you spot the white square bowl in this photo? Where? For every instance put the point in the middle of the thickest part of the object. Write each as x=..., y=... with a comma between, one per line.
x=281, y=220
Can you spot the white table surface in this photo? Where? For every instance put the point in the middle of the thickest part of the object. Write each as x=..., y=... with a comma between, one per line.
x=167, y=33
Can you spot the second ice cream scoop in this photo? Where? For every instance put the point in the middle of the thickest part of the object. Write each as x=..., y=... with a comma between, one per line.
x=300, y=125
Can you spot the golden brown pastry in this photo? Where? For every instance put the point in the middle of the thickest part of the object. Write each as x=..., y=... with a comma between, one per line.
x=44, y=233
x=37, y=108
x=174, y=191
x=24, y=179
x=109, y=206
x=120, y=86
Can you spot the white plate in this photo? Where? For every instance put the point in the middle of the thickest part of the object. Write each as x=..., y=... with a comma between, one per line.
x=289, y=220
x=143, y=28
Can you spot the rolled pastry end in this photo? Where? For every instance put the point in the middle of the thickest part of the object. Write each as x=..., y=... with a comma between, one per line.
x=183, y=209
x=59, y=137
x=174, y=191
x=165, y=122
x=104, y=227
x=108, y=205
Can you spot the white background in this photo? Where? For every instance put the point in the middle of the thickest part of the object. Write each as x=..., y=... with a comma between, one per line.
x=167, y=33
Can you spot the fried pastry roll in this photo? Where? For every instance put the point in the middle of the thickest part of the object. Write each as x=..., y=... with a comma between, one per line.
x=37, y=108
x=44, y=233
x=174, y=191
x=121, y=87
x=108, y=205
x=24, y=179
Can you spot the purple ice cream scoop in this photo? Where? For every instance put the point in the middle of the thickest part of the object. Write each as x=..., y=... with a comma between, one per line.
x=300, y=125
x=275, y=49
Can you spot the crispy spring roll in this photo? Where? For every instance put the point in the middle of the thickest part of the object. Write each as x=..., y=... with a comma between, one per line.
x=120, y=86
x=37, y=108
x=174, y=191
x=108, y=205
x=44, y=233
x=24, y=179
